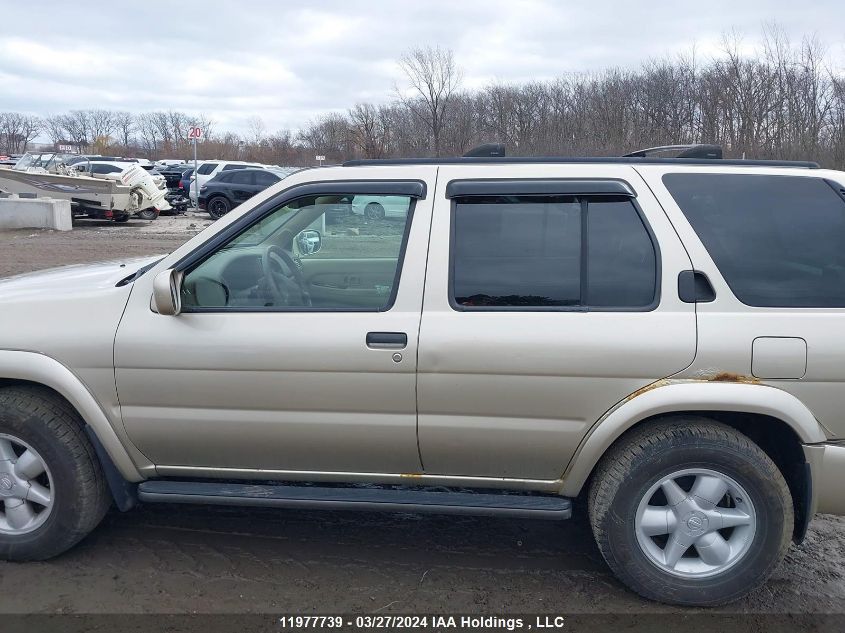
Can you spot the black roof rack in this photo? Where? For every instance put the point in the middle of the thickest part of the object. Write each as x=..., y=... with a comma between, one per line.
x=618, y=160
x=699, y=154
x=700, y=150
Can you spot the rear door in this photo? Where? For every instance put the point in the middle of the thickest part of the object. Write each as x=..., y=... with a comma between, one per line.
x=551, y=294
x=242, y=185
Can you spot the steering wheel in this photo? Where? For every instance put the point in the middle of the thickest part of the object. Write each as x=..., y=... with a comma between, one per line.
x=283, y=277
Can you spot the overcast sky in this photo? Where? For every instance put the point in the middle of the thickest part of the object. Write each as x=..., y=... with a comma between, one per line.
x=287, y=61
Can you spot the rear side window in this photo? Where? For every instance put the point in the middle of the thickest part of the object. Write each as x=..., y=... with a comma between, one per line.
x=240, y=178
x=265, y=178
x=547, y=252
x=206, y=168
x=233, y=167
x=777, y=240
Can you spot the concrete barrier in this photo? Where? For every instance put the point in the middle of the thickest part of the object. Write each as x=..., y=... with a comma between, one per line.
x=38, y=213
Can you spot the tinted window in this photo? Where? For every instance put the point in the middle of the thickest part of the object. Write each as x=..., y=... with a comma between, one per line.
x=777, y=240
x=104, y=169
x=622, y=264
x=233, y=167
x=240, y=178
x=525, y=253
x=265, y=178
x=206, y=168
x=528, y=252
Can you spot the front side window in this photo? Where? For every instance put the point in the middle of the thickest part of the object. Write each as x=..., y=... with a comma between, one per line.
x=565, y=252
x=777, y=240
x=291, y=259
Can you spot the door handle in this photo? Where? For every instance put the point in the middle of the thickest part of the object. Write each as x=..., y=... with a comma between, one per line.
x=387, y=340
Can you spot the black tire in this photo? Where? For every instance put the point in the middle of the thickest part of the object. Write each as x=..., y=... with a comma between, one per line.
x=121, y=218
x=374, y=211
x=148, y=214
x=218, y=206
x=49, y=425
x=642, y=458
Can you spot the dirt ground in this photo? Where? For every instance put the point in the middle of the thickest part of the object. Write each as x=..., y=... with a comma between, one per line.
x=186, y=559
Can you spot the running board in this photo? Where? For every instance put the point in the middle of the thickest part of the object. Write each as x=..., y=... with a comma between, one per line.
x=357, y=498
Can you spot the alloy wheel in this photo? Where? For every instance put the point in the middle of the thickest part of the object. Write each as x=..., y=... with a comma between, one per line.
x=26, y=487
x=695, y=523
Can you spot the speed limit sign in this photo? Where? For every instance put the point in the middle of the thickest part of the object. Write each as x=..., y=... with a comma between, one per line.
x=195, y=132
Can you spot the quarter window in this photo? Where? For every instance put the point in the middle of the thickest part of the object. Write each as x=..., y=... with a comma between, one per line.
x=564, y=252
x=206, y=168
x=777, y=240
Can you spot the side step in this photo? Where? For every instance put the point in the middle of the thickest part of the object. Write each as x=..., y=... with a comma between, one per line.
x=357, y=498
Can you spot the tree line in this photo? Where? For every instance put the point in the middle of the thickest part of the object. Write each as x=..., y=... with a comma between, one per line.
x=783, y=101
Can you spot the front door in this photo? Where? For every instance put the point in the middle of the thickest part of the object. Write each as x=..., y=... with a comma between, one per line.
x=284, y=360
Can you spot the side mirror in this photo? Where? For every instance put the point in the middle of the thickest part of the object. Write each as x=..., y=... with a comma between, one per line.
x=309, y=242
x=167, y=292
x=80, y=167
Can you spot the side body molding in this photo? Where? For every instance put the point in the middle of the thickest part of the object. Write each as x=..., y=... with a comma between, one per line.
x=668, y=396
x=38, y=368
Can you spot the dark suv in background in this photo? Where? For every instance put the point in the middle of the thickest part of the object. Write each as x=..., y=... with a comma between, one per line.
x=228, y=189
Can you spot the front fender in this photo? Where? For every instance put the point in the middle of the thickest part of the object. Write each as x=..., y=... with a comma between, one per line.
x=41, y=369
x=670, y=396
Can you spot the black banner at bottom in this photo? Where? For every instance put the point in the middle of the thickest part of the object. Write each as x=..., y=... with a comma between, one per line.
x=354, y=623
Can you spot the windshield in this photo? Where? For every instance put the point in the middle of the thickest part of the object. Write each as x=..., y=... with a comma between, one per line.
x=25, y=162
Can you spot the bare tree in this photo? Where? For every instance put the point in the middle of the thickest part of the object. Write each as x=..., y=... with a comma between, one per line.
x=125, y=127
x=433, y=78
x=368, y=130
x=55, y=128
x=257, y=130
x=77, y=127
x=17, y=131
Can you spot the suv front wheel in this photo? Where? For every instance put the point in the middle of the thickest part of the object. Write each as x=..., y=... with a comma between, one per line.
x=52, y=489
x=690, y=512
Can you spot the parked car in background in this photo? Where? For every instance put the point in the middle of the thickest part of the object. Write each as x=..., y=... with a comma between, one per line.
x=168, y=162
x=380, y=207
x=228, y=189
x=210, y=168
x=173, y=174
x=185, y=181
x=10, y=159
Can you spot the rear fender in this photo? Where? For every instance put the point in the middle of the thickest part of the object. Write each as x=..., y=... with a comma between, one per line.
x=669, y=396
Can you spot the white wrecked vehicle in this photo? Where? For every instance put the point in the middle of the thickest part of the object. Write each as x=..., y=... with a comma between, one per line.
x=112, y=190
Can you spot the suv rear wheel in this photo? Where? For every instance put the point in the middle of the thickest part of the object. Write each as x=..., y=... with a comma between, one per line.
x=52, y=490
x=218, y=206
x=691, y=512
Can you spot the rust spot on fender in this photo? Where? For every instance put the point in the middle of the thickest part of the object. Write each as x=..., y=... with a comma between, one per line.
x=707, y=376
x=647, y=388
x=727, y=376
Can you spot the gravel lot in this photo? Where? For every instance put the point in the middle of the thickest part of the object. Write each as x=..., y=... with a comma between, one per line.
x=184, y=559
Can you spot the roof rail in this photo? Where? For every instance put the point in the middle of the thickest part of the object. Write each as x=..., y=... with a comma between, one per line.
x=492, y=153
x=699, y=150
x=607, y=160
